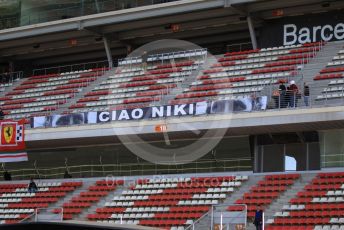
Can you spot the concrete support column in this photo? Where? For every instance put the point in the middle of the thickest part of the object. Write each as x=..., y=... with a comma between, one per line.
x=256, y=153
x=252, y=32
x=108, y=51
x=129, y=48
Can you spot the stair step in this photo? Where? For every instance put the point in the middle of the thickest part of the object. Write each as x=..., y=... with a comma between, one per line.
x=83, y=91
x=285, y=197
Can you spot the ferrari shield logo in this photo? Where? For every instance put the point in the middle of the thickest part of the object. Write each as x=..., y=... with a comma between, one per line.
x=8, y=133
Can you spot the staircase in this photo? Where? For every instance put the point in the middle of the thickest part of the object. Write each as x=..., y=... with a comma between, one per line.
x=245, y=187
x=316, y=64
x=92, y=209
x=283, y=199
x=68, y=197
x=204, y=222
x=184, y=84
x=11, y=88
x=83, y=91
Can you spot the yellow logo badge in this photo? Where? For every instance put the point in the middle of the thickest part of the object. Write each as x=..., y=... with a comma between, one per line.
x=8, y=133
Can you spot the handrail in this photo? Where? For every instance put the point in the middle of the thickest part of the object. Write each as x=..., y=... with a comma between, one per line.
x=240, y=46
x=37, y=212
x=28, y=217
x=226, y=205
x=268, y=88
x=130, y=169
x=192, y=226
x=72, y=67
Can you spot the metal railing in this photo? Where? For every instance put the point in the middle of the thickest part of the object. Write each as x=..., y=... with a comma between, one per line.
x=332, y=160
x=239, y=47
x=318, y=97
x=28, y=218
x=196, y=222
x=10, y=77
x=221, y=218
x=71, y=68
x=61, y=103
x=48, y=214
x=82, y=8
x=101, y=170
x=276, y=99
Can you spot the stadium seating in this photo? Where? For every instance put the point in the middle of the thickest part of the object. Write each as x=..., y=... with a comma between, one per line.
x=176, y=202
x=39, y=95
x=167, y=203
x=17, y=203
x=319, y=206
x=8, y=79
x=264, y=193
x=85, y=199
x=333, y=74
x=139, y=84
x=136, y=84
x=3, y=86
x=248, y=72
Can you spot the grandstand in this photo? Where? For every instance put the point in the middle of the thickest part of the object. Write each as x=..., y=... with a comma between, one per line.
x=172, y=114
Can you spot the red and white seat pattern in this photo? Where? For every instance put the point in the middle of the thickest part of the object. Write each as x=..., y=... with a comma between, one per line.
x=247, y=72
x=7, y=80
x=87, y=198
x=178, y=55
x=167, y=203
x=264, y=193
x=134, y=84
x=319, y=206
x=39, y=95
x=3, y=86
x=334, y=74
x=16, y=203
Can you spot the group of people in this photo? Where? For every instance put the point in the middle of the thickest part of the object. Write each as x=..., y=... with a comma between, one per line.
x=287, y=96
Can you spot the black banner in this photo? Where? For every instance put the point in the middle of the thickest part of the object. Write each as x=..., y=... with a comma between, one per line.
x=194, y=109
x=303, y=29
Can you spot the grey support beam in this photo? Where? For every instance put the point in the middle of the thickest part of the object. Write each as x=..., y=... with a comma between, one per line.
x=108, y=51
x=252, y=32
x=108, y=18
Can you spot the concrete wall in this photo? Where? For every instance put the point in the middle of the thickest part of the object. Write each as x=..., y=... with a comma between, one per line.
x=119, y=157
x=332, y=148
x=271, y=158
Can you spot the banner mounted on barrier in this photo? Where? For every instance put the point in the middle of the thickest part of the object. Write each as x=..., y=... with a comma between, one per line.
x=244, y=104
x=12, y=141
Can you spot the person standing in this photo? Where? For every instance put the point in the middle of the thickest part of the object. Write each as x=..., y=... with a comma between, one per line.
x=282, y=94
x=306, y=94
x=293, y=90
x=2, y=114
x=7, y=176
x=32, y=186
x=67, y=175
x=258, y=219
